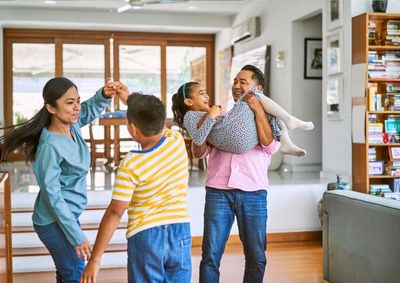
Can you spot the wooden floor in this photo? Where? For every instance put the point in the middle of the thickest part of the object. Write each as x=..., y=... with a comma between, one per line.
x=292, y=262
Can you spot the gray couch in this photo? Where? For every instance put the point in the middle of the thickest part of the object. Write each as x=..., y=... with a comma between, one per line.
x=361, y=238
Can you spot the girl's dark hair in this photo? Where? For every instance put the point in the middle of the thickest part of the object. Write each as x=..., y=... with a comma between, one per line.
x=26, y=136
x=179, y=108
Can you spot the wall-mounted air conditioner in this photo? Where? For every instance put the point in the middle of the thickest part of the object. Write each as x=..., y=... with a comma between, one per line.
x=246, y=30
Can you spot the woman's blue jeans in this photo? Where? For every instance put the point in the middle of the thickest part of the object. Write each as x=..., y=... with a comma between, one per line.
x=68, y=266
x=250, y=209
x=160, y=255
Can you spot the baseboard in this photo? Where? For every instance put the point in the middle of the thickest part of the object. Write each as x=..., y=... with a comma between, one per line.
x=301, y=168
x=271, y=238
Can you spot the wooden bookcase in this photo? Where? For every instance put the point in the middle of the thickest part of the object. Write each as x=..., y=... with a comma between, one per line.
x=362, y=45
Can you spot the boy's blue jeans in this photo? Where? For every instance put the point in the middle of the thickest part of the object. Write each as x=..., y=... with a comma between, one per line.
x=250, y=209
x=160, y=254
x=68, y=266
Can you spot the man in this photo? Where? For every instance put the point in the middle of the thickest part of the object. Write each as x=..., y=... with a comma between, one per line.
x=236, y=187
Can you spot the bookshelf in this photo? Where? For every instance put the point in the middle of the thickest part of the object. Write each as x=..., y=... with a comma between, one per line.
x=376, y=43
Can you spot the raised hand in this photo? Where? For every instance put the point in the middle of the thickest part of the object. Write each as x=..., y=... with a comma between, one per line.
x=109, y=89
x=214, y=111
x=253, y=102
x=122, y=91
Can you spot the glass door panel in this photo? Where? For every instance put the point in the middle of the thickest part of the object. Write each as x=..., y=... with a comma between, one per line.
x=84, y=65
x=140, y=69
x=33, y=64
x=184, y=64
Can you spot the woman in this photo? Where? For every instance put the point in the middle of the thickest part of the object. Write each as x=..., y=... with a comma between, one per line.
x=53, y=140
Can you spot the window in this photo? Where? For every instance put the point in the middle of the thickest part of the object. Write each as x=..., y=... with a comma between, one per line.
x=184, y=64
x=29, y=75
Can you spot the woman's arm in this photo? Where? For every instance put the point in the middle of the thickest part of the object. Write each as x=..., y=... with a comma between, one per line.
x=92, y=108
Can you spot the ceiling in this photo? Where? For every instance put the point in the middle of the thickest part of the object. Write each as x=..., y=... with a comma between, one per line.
x=224, y=7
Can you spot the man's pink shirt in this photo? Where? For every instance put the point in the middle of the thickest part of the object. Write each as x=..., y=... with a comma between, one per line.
x=247, y=171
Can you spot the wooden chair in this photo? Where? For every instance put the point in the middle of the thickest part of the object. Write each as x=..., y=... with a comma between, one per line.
x=96, y=143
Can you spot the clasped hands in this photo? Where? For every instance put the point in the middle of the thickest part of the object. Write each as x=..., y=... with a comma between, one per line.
x=118, y=89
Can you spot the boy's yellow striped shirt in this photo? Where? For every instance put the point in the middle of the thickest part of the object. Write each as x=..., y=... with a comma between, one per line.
x=155, y=184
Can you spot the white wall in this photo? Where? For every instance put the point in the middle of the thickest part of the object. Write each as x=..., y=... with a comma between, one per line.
x=359, y=7
x=306, y=94
x=104, y=20
x=277, y=17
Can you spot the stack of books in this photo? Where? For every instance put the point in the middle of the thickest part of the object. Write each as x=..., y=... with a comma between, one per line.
x=379, y=189
x=372, y=154
x=392, y=32
x=392, y=64
x=375, y=131
x=376, y=65
x=371, y=32
x=393, y=93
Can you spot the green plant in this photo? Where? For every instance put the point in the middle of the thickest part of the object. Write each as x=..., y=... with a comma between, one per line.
x=20, y=118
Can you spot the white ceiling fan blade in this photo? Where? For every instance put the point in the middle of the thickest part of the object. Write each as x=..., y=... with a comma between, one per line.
x=124, y=8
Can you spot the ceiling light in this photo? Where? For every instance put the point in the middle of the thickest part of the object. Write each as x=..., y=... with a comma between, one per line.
x=136, y=7
x=50, y=2
x=193, y=8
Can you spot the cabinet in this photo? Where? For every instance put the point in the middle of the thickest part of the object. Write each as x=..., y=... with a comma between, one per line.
x=376, y=43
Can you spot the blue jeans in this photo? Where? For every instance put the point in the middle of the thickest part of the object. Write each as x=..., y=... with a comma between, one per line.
x=68, y=266
x=160, y=254
x=250, y=209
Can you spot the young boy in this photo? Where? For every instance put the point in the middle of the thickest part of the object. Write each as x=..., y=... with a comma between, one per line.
x=152, y=183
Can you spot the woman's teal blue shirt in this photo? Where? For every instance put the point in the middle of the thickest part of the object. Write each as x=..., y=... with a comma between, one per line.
x=61, y=167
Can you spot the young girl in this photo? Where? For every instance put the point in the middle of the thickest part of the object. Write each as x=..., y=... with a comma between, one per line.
x=53, y=140
x=236, y=131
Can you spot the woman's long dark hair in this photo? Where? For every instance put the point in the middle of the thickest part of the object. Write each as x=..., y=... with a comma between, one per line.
x=26, y=136
x=179, y=108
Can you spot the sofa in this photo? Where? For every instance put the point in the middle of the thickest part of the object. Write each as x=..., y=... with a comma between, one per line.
x=361, y=238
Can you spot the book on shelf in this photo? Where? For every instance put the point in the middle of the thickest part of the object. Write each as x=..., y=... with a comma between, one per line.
x=392, y=32
x=375, y=131
x=373, y=88
x=392, y=126
x=379, y=189
x=372, y=154
x=372, y=118
x=396, y=185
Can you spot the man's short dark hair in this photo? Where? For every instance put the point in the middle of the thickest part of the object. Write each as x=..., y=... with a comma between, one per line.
x=147, y=113
x=257, y=74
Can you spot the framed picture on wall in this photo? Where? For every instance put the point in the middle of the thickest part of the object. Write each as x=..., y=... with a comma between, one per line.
x=313, y=58
x=334, y=98
x=334, y=13
x=334, y=53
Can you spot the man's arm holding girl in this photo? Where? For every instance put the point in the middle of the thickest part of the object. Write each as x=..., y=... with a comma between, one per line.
x=264, y=130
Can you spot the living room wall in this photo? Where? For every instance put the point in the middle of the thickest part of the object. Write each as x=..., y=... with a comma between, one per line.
x=277, y=19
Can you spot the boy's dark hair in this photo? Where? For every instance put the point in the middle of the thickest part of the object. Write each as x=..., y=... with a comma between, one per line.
x=257, y=74
x=147, y=113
